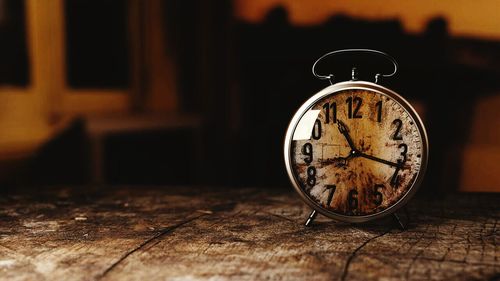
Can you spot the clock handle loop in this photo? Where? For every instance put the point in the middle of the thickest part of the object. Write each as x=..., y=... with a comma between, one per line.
x=378, y=76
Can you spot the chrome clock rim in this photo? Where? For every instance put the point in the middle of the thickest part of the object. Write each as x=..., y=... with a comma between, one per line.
x=331, y=90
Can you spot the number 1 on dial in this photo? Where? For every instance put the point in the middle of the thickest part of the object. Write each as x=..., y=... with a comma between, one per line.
x=379, y=111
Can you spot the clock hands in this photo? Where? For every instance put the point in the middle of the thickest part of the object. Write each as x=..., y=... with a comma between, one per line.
x=397, y=165
x=342, y=161
x=345, y=131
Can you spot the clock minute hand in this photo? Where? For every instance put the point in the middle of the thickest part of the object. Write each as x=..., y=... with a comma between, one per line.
x=380, y=160
x=345, y=131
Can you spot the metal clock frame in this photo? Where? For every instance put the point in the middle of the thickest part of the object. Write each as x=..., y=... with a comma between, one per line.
x=332, y=90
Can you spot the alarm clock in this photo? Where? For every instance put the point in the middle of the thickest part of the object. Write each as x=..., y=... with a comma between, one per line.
x=356, y=151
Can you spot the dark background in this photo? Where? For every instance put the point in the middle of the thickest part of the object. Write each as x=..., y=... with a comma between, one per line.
x=241, y=81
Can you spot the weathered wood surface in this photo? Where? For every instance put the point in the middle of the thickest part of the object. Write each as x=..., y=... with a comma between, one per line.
x=238, y=234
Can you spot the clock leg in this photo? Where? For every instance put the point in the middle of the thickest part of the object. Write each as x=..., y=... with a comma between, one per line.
x=311, y=218
x=401, y=221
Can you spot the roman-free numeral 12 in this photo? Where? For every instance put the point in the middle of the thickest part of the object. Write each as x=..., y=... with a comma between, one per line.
x=353, y=106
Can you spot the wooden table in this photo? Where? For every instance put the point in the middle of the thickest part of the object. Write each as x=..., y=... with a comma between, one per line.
x=182, y=233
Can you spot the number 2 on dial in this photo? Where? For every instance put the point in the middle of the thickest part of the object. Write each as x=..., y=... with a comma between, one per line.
x=397, y=133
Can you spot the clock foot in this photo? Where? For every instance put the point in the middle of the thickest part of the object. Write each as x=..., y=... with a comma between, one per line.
x=401, y=222
x=311, y=218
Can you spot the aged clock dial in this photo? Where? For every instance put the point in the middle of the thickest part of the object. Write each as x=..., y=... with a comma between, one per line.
x=355, y=151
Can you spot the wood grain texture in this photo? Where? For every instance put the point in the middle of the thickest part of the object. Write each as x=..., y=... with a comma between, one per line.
x=236, y=234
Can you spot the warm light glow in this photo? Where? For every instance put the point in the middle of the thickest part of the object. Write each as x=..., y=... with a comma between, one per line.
x=465, y=18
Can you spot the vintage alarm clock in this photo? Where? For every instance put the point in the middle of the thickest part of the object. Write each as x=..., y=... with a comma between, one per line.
x=356, y=151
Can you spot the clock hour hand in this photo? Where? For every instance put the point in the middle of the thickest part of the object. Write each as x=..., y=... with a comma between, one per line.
x=345, y=131
x=392, y=164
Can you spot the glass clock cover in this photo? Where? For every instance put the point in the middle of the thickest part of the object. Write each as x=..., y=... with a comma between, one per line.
x=355, y=151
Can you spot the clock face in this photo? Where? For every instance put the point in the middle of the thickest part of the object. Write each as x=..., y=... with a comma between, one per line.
x=356, y=152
